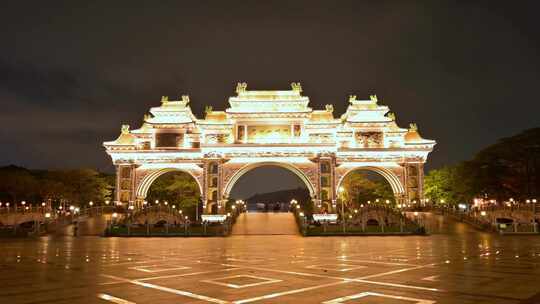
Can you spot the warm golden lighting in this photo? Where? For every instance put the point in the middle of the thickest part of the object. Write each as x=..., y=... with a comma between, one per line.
x=267, y=127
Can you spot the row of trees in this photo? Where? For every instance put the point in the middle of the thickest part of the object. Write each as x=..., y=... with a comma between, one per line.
x=77, y=186
x=507, y=169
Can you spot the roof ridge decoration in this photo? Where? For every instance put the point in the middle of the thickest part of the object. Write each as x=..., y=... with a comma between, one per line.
x=413, y=127
x=185, y=99
x=296, y=86
x=268, y=101
x=241, y=87
x=124, y=129
x=329, y=108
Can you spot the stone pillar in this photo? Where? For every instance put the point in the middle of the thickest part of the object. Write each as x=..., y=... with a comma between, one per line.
x=133, y=195
x=333, y=181
x=220, y=201
x=126, y=183
x=401, y=199
x=117, y=185
x=421, y=182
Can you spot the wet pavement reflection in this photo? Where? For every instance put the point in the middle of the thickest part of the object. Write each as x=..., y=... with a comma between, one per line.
x=455, y=264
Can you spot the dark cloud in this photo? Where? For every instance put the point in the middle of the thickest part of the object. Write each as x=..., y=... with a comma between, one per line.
x=40, y=85
x=72, y=73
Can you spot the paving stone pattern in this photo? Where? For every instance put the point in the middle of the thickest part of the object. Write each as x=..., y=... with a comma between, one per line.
x=458, y=266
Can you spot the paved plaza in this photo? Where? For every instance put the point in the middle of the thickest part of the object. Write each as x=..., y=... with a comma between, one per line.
x=459, y=265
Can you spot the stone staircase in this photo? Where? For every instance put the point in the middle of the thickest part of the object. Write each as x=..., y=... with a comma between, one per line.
x=258, y=223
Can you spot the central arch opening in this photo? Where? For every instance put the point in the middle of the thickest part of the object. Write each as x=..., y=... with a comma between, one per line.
x=270, y=188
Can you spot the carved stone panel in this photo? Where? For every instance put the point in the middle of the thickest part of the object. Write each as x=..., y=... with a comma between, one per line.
x=369, y=139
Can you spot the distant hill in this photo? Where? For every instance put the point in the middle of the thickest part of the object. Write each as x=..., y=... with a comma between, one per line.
x=282, y=196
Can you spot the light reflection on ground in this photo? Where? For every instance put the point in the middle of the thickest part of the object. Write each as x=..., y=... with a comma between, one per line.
x=457, y=265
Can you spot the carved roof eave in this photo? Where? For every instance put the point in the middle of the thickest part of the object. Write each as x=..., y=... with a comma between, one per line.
x=420, y=148
x=214, y=123
x=330, y=122
x=172, y=119
x=424, y=142
x=173, y=125
x=391, y=130
x=111, y=146
x=267, y=113
x=144, y=129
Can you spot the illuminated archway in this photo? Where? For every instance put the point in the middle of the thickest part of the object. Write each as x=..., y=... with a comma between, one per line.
x=238, y=174
x=397, y=187
x=269, y=127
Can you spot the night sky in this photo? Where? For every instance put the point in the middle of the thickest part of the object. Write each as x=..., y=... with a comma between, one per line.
x=71, y=74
